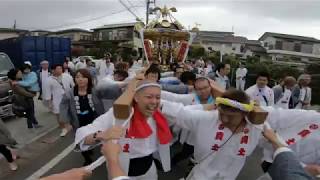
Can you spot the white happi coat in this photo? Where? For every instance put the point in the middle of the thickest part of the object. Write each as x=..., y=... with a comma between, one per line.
x=226, y=163
x=104, y=70
x=187, y=100
x=308, y=150
x=257, y=95
x=283, y=102
x=57, y=88
x=132, y=148
x=305, y=95
x=44, y=78
x=222, y=81
x=241, y=73
x=292, y=126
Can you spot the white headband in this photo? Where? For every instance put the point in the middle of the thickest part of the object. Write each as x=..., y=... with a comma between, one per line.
x=147, y=85
x=202, y=77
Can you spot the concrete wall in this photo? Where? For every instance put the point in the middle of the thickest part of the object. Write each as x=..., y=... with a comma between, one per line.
x=74, y=36
x=316, y=49
x=270, y=41
x=7, y=35
x=225, y=48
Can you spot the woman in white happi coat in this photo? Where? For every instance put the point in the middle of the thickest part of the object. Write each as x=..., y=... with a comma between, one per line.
x=147, y=133
x=58, y=84
x=222, y=154
x=260, y=92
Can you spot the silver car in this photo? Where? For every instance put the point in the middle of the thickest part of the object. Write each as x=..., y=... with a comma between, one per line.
x=5, y=90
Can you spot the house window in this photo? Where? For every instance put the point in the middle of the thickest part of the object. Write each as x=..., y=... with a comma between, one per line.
x=110, y=35
x=242, y=49
x=265, y=44
x=271, y=46
x=297, y=47
x=297, y=59
x=278, y=45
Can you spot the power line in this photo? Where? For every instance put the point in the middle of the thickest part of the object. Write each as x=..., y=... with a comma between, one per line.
x=128, y=9
x=133, y=7
x=88, y=20
x=142, y=3
x=85, y=21
x=130, y=3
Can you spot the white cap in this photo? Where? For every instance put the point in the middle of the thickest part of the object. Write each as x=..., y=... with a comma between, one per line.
x=44, y=62
x=28, y=62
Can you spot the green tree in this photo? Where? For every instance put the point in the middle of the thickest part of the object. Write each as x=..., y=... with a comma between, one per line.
x=196, y=51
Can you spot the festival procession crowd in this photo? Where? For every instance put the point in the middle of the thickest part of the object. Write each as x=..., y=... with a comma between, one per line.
x=193, y=105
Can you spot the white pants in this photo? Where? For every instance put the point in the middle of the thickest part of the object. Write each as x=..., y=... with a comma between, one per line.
x=240, y=84
x=150, y=175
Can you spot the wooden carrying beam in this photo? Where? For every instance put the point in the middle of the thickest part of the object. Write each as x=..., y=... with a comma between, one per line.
x=122, y=106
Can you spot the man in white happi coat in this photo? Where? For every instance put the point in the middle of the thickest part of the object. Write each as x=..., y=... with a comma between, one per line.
x=202, y=95
x=301, y=93
x=58, y=84
x=308, y=153
x=222, y=154
x=105, y=67
x=260, y=92
x=241, y=74
x=43, y=77
x=282, y=92
x=147, y=133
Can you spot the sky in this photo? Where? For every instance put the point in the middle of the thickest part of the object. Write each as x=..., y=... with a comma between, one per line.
x=249, y=18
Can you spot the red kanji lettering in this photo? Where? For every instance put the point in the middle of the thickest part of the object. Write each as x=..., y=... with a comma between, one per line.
x=241, y=152
x=313, y=126
x=126, y=148
x=215, y=147
x=219, y=136
x=221, y=127
x=304, y=133
x=244, y=140
x=291, y=141
x=246, y=130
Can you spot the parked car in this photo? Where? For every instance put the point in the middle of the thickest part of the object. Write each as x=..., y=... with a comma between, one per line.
x=5, y=89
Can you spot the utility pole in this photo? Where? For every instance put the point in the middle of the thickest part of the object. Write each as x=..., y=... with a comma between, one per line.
x=148, y=9
x=15, y=24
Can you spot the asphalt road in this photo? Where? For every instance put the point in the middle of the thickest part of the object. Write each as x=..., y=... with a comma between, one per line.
x=47, y=152
x=39, y=156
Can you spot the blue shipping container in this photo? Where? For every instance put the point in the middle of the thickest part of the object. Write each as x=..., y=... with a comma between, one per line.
x=36, y=49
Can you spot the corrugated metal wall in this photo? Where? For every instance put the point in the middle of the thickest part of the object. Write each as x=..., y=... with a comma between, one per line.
x=35, y=49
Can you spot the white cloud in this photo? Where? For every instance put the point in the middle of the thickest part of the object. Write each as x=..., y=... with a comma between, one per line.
x=250, y=18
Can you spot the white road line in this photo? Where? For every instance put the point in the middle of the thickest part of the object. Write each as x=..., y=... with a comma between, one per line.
x=20, y=146
x=41, y=135
x=36, y=175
